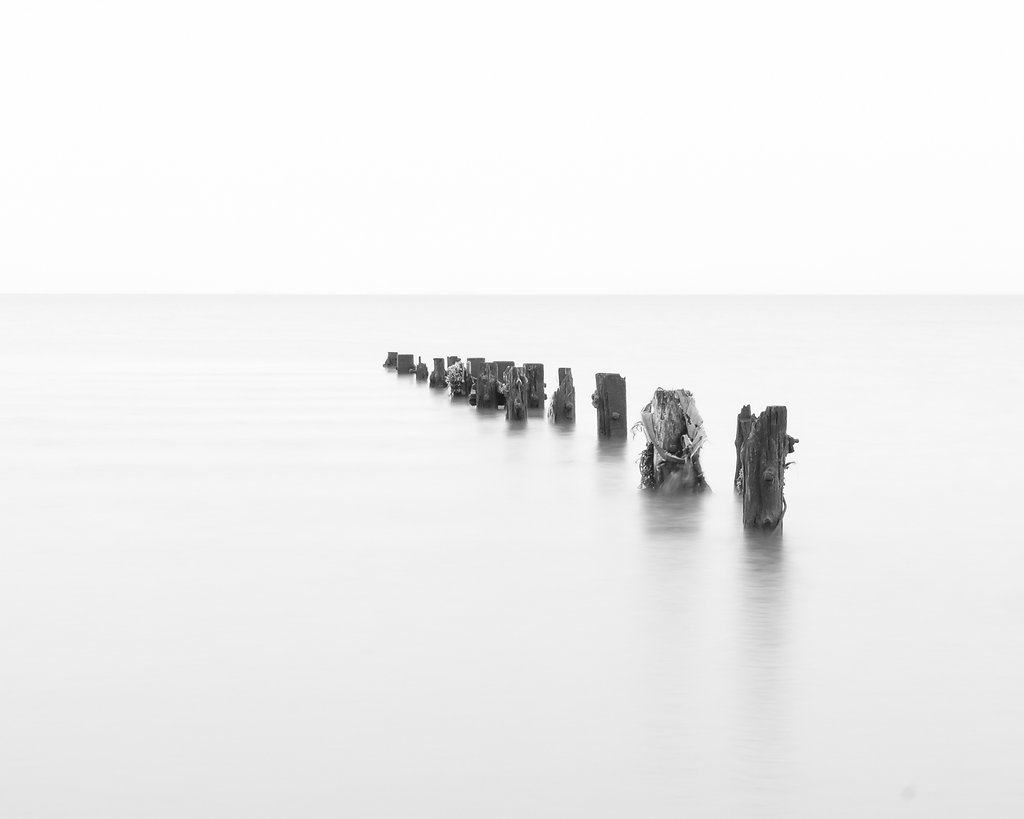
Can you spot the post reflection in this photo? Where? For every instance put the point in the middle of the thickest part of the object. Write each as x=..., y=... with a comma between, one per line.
x=763, y=635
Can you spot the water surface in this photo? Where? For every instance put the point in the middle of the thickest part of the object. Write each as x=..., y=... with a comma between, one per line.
x=248, y=572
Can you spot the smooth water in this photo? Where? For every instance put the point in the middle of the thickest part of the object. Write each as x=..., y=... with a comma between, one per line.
x=247, y=572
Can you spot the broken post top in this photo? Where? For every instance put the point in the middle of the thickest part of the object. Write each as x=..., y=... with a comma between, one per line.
x=675, y=434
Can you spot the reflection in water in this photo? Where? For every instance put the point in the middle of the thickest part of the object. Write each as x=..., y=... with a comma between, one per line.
x=762, y=642
x=612, y=449
x=672, y=514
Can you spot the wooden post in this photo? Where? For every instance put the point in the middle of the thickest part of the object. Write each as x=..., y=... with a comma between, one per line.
x=475, y=365
x=743, y=423
x=764, y=466
x=404, y=363
x=421, y=371
x=487, y=387
x=452, y=359
x=563, y=404
x=610, y=400
x=535, y=380
x=501, y=366
x=437, y=376
x=516, y=394
x=391, y=360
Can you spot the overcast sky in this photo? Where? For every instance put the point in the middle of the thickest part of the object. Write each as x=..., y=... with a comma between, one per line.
x=517, y=147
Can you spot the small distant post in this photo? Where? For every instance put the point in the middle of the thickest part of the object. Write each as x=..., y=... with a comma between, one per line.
x=563, y=404
x=437, y=376
x=764, y=465
x=535, y=382
x=610, y=400
x=516, y=394
x=421, y=370
x=487, y=387
x=404, y=363
x=391, y=360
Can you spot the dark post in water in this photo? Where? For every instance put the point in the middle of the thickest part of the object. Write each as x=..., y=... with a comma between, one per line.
x=437, y=376
x=563, y=404
x=743, y=423
x=516, y=394
x=499, y=376
x=535, y=382
x=610, y=400
x=404, y=363
x=487, y=387
x=764, y=465
x=474, y=369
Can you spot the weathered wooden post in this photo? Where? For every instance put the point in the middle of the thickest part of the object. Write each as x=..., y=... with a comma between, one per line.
x=437, y=376
x=391, y=360
x=517, y=390
x=563, y=404
x=764, y=466
x=452, y=359
x=421, y=370
x=487, y=387
x=404, y=363
x=743, y=423
x=501, y=367
x=610, y=400
x=535, y=382
x=675, y=435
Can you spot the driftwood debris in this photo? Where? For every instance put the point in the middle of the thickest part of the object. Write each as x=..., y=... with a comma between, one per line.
x=391, y=360
x=487, y=387
x=563, y=403
x=437, y=375
x=535, y=382
x=610, y=400
x=763, y=469
x=421, y=370
x=675, y=434
x=404, y=363
x=516, y=388
x=457, y=378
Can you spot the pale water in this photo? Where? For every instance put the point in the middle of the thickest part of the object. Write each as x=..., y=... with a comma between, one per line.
x=247, y=572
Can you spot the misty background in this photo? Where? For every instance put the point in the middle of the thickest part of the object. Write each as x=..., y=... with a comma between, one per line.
x=543, y=147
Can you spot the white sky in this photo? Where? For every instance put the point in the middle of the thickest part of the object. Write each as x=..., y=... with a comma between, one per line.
x=551, y=146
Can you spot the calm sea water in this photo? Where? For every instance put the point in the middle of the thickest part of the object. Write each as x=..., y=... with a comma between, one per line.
x=247, y=572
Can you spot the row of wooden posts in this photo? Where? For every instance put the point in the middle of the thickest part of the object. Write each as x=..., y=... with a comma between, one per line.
x=671, y=422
